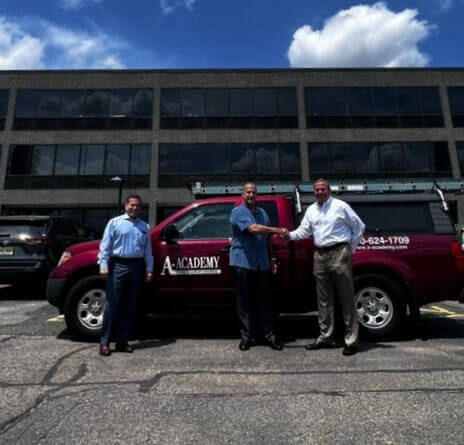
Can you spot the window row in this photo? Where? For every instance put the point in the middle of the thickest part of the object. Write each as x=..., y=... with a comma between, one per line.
x=83, y=109
x=180, y=164
x=384, y=107
x=456, y=102
x=84, y=160
x=228, y=108
x=379, y=159
x=3, y=107
x=92, y=219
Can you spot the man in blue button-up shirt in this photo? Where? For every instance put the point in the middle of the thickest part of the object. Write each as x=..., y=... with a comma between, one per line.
x=125, y=257
x=249, y=256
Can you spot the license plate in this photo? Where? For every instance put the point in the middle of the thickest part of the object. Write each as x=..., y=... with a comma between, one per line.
x=4, y=251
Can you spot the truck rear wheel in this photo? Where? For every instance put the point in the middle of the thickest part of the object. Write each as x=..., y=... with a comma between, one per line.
x=84, y=306
x=379, y=303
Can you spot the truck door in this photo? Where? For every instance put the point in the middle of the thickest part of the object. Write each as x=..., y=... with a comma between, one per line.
x=193, y=269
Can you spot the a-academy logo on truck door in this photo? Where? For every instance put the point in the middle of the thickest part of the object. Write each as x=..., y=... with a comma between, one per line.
x=197, y=265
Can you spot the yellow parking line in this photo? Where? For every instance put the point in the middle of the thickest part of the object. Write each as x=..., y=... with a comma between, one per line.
x=442, y=311
x=58, y=318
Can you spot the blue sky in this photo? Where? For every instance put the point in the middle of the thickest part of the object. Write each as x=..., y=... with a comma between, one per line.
x=59, y=34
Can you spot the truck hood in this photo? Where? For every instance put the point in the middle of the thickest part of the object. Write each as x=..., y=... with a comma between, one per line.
x=82, y=247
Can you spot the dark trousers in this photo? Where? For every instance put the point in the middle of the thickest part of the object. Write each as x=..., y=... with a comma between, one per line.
x=122, y=289
x=254, y=302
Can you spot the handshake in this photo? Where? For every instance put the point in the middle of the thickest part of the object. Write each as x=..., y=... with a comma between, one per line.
x=283, y=233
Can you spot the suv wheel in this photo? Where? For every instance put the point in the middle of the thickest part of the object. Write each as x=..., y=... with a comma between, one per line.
x=84, y=306
x=379, y=304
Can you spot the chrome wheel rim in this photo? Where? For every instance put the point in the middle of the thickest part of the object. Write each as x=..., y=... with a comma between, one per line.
x=90, y=309
x=374, y=307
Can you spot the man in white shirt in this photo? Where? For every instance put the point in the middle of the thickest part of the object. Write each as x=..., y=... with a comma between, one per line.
x=337, y=230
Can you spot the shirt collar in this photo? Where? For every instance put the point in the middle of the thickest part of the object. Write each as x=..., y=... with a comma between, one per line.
x=326, y=203
x=126, y=216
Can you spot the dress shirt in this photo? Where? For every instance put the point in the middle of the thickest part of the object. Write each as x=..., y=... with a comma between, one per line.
x=126, y=238
x=330, y=223
x=247, y=250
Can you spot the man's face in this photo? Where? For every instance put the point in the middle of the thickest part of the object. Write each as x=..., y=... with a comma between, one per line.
x=132, y=208
x=321, y=192
x=249, y=195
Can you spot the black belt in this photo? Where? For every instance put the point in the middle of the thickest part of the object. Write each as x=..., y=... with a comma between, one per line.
x=324, y=249
x=120, y=258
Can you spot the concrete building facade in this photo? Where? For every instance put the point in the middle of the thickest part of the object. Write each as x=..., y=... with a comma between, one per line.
x=65, y=134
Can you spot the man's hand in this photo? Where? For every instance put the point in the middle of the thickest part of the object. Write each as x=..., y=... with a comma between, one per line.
x=104, y=272
x=284, y=234
x=148, y=277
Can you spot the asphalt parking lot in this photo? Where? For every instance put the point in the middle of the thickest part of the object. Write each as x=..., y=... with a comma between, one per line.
x=187, y=382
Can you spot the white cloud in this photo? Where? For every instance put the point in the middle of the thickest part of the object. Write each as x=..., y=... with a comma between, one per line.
x=168, y=6
x=362, y=36
x=19, y=50
x=37, y=44
x=75, y=4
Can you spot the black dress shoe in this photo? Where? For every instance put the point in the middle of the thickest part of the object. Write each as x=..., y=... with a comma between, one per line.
x=105, y=350
x=274, y=343
x=124, y=348
x=244, y=344
x=350, y=350
x=318, y=344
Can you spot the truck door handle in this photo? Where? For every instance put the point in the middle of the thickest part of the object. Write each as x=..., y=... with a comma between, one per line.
x=225, y=249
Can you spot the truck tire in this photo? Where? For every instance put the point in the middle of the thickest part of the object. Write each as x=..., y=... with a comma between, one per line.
x=380, y=304
x=84, y=306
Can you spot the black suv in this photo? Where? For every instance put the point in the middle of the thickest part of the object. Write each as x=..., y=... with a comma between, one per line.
x=30, y=247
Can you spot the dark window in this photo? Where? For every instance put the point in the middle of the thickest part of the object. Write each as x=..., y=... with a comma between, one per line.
x=20, y=160
x=140, y=159
x=267, y=158
x=205, y=222
x=217, y=102
x=271, y=210
x=42, y=160
x=170, y=102
x=397, y=218
x=456, y=101
x=180, y=164
x=242, y=158
x=460, y=151
x=379, y=159
x=117, y=159
x=83, y=109
x=67, y=160
x=192, y=103
x=3, y=107
x=265, y=102
x=92, y=159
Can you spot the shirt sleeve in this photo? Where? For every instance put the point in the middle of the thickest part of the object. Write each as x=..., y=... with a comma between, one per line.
x=148, y=255
x=241, y=219
x=304, y=230
x=356, y=225
x=106, y=246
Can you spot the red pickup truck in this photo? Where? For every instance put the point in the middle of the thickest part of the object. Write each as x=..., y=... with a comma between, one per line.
x=408, y=257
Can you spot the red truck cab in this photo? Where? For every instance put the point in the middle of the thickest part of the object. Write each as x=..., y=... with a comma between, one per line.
x=408, y=257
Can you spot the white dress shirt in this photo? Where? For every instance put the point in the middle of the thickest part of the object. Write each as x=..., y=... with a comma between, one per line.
x=330, y=223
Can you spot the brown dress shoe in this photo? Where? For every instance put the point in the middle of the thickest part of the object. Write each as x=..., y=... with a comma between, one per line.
x=105, y=350
x=124, y=348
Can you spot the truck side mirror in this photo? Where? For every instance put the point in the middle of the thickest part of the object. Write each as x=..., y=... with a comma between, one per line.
x=170, y=233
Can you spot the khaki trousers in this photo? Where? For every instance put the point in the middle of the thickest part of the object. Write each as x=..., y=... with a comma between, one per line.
x=334, y=276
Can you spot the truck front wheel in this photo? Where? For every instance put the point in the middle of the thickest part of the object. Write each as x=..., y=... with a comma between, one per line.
x=379, y=303
x=84, y=306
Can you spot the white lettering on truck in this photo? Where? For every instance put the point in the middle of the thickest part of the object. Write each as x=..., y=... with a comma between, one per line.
x=197, y=265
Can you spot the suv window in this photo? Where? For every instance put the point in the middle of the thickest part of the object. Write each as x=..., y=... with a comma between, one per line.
x=18, y=229
x=404, y=217
x=205, y=222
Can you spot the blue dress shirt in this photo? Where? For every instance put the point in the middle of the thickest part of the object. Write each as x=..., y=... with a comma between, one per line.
x=248, y=251
x=126, y=238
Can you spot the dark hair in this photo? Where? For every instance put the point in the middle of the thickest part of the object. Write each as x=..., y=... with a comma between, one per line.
x=322, y=180
x=133, y=197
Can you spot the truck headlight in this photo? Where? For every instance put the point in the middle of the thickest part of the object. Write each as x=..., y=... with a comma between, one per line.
x=66, y=256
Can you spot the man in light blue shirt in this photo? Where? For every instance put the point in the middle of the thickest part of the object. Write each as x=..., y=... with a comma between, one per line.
x=336, y=230
x=249, y=256
x=125, y=257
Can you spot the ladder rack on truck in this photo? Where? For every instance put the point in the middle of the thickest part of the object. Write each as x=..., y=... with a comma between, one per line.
x=358, y=190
